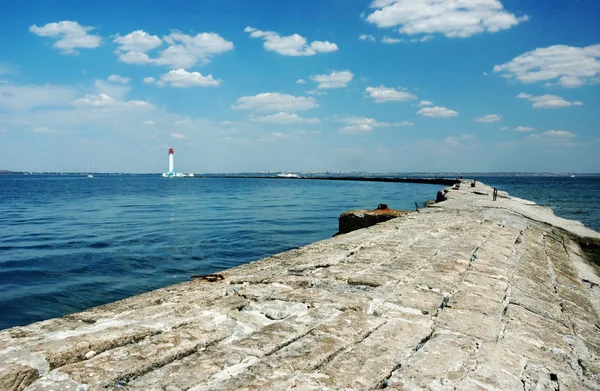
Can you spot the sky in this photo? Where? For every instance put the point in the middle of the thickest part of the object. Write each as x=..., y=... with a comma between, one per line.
x=302, y=86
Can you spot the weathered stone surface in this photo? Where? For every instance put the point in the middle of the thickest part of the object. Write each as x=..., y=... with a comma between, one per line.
x=17, y=377
x=357, y=219
x=470, y=294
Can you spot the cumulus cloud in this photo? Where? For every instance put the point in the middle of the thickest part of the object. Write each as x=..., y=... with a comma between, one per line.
x=365, y=125
x=177, y=136
x=390, y=41
x=489, y=118
x=384, y=94
x=285, y=118
x=137, y=41
x=148, y=80
x=315, y=92
x=559, y=133
x=362, y=128
x=366, y=37
x=459, y=18
x=276, y=102
x=100, y=101
x=300, y=81
x=569, y=66
x=336, y=79
x=119, y=79
x=425, y=103
x=184, y=50
x=180, y=78
x=524, y=129
x=70, y=36
x=504, y=128
x=291, y=45
x=438, y=112
x=548, y=101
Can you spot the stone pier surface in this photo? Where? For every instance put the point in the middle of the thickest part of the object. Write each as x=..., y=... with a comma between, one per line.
x=471, y=294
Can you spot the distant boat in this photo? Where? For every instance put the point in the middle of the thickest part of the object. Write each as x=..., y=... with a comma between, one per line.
x=572, y=175
x=89, y=174
x=287, y=175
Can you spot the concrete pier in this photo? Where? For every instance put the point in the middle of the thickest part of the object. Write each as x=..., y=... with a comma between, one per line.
x=470, y=294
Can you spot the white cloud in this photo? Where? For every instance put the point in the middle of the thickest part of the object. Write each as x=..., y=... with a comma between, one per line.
x=119, y=79
x=71, y=36
x=426, y=38
x=524, y=129
x=489, y=118
x=180, y=78
x=274, y=101
x=300, y=81
x=559, y=133
x=458, y=18
x=363, y=128
x=148, y=80
x=184, y=51
x=504, y=128
x=291, y=45
x=384, y=94
x=364, y=124
x=276, y=136
x=177, y=136
x=425, y=103
x=137, y=41
x=569, y=66
x=104, y=101
x=390, y=41
x=548, y=101
x=438, y=112
x=148, y=122
x=285, y=118
x=366, y=37
x=336, y=79
x=315, y=92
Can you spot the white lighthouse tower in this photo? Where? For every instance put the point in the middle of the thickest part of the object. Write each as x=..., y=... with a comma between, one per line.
x=171, y=173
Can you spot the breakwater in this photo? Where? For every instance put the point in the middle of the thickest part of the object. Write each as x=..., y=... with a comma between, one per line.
x=426, y=181
x=471, y=294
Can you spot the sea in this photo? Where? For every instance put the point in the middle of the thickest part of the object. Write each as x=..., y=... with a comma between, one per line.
x=68, y=242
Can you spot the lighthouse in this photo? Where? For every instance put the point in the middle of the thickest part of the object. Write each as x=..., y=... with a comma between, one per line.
x=171, y=173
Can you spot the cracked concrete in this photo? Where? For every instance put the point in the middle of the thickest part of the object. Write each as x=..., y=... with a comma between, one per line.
x=470, y=294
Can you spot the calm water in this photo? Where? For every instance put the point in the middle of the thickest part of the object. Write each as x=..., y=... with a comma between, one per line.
x=70, y=243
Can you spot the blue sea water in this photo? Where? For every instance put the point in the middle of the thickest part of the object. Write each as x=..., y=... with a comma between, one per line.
x=68, y=243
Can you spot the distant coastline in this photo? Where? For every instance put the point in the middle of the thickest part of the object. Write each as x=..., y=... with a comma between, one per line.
x=311, y=174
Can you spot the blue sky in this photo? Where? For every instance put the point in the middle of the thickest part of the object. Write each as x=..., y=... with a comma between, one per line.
x=338, y=85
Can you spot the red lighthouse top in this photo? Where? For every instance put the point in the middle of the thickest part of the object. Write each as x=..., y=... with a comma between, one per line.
x=171, y=151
